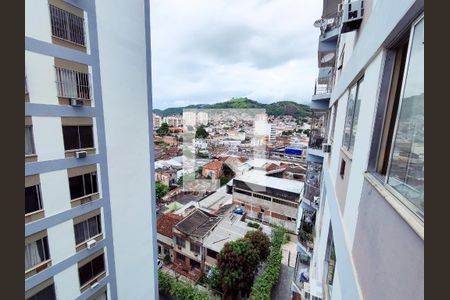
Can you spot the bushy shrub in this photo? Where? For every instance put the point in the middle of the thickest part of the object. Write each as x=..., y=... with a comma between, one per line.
x=262, y=287
x=179, y=289
x=253, y=225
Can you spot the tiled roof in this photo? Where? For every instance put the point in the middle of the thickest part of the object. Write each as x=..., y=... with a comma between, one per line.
x=213, y=165
x=198, y=223
x=166, y=222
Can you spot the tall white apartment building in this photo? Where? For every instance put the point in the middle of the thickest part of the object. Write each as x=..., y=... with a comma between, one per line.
x=173, y=121
x=87, y=129
x=157, y=121
x=361, y=224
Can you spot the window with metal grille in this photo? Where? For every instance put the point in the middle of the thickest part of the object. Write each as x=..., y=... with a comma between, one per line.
x=90, y=270
x=72, y=84
x=180, y=242
x=67, y=26
x=87, y=229
x=78, y=137
x=195, y=248
x=83, y=185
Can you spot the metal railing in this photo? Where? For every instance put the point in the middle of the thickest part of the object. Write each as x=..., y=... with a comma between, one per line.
x=72, y=84
x=333, y=21
x=67, y=26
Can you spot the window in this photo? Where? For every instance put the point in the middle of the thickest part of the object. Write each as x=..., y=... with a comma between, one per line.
x=36, y=252
x=46, y=294
x=211, y=253
x=72, y=84
x=195, y=264
x=342, y=169
x=33, y=200
x=351, y=118
x=78, y=137
x=181, y=257
x=180, y=242
x=333, y=121
x=87, y=229
x=242, y=192
x=406, y=166
x=83, y=185
x=29, y=143
x=92, y=269
x=195, y=248
x=67, y=26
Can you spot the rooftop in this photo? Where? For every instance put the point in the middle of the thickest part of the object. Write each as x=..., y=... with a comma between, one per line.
x=230, y=228
x=166, y=222
x=213, y=165
x=198, y=223
x=258, y=177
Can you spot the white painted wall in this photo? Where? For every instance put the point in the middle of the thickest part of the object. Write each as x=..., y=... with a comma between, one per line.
x=41, y=78
x=122, y=51
x=368, y=93
x=48, y=138
x=37, y=15
x=55, y=192
x=61, y=241
x=67, y=284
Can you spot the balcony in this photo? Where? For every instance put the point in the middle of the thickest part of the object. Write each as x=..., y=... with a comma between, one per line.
x=306, y=231
x=331, y=25
x=323, y=88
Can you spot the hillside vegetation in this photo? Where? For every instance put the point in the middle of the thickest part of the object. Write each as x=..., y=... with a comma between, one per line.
x=274, y=109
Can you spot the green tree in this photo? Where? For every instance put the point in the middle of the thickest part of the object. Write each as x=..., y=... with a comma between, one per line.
x=260, y=241
x=161, y=190
x=201, y=133
x=163, y=130
x=307, y=132
x=213, y=279
x=223, y=180
x=237, y=263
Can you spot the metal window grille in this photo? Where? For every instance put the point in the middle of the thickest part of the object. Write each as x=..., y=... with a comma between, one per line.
x=67, y=26
x=72, y=84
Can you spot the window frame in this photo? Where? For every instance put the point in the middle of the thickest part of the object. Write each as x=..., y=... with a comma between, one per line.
x=91, y=265
x=67, y=21
x=31, y=136
x=39, y=199
x=348, y=148
x=45, y=251
x=85, y=224
x=382, y=117
x=94, y=183
x=79, y=137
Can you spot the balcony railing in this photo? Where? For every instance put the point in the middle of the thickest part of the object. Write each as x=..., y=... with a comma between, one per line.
x=316, y=141
x=333, y=21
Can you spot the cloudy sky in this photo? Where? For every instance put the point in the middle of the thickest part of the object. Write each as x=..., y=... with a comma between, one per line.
x=206, y=51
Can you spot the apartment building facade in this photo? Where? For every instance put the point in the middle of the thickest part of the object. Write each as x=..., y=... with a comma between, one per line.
x=368, y=233
x=77, y=227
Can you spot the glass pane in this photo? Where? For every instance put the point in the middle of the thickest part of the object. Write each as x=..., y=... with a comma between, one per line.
x=70, y=135
x=98, y=265
x=92, y=225
x=28, y=140
x=32, y=202
x=46, y=294
x=407, y=161
x=86, y=137
x=85, y=273
x=94, y=182
x=355, y=118
x=79, y=233
x=76, y=187
x=349, y=118
x=87, y=184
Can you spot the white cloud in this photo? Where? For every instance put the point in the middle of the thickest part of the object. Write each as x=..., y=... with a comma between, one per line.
x=212, y=50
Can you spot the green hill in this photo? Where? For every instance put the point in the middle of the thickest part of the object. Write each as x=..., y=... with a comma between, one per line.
x=274, y=109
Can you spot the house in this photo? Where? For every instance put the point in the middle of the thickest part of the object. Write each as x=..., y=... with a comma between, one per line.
x=268, y=199
x=213, y=169
x=188, y=236
x=164, y=227
x=167, y=176
x=170, y=140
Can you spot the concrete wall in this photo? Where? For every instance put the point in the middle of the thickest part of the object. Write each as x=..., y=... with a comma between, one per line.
x=387, y=253
x=124, y=70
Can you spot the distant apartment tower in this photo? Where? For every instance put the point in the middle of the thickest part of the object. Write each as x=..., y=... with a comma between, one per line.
x=157, y=121
x=361, y=230
x=87, y=108
x=173, y=121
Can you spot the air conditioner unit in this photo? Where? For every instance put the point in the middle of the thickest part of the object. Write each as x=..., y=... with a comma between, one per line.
x=326, y=148
x=76, y=102
x=94, y=285
x=352, y=16
x=91, y=244
x=80, y=154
